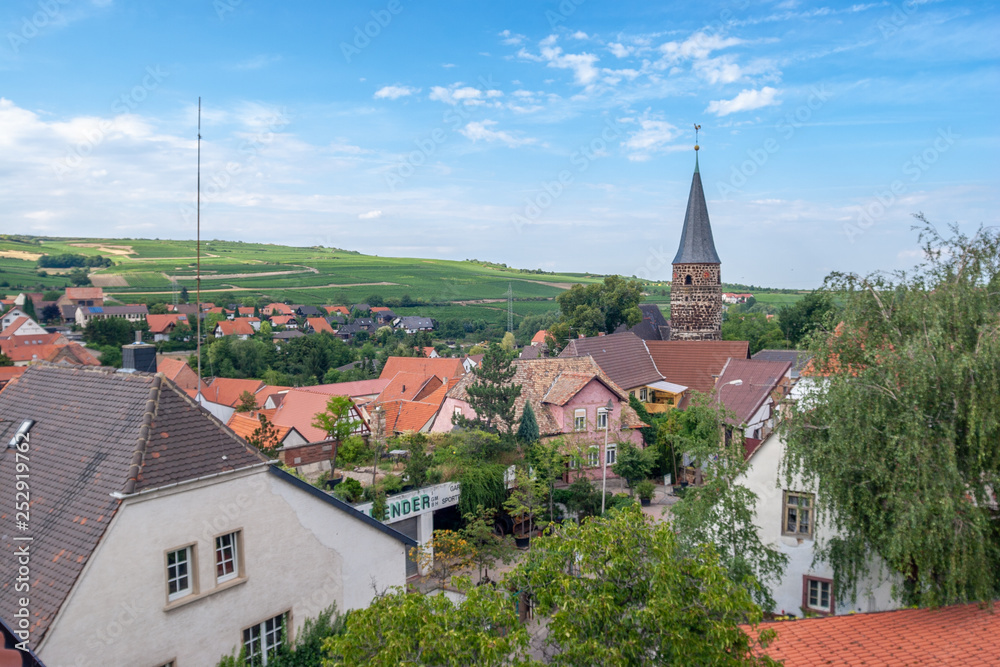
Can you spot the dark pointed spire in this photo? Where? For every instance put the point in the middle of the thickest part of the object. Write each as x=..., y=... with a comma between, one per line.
x=697, y=245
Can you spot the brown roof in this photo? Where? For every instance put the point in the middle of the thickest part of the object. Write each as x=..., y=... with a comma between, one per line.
x=73, y=353
x=237, y=327
x=227, y=391
x=623, y=356
x=758, y=380
x=244, y=424
x=178, y=371
x=554, y=381
x=695, y=364
x=444, y=368
x=955, y=635
x=125, y=433
x=408, y=386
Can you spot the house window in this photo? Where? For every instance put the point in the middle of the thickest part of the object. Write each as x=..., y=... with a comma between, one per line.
x=593, y=457
x=179, y=565
x=262, y=641
x=798, y=518
x=602, y=418
x=458, y=410
x=611, y=454
x=227, y=564
x=580, y=420
x=644, y=394
x=817, y=595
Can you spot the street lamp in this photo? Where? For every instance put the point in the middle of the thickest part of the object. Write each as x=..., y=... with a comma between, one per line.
x=604, y=457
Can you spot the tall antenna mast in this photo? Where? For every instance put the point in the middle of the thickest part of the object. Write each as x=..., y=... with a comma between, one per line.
x=197, y=315
x=510, y=307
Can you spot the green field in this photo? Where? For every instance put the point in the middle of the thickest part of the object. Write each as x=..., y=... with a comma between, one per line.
x=153, y=270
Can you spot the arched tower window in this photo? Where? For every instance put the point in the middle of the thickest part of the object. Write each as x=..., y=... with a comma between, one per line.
x=687, y=280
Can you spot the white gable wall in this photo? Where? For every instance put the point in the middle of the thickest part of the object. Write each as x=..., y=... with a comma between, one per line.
x=299, y=554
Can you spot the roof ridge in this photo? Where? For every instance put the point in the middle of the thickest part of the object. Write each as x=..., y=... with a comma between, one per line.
x=139, y=454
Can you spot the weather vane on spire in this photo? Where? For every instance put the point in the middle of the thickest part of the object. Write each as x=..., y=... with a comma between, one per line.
x=696, y=128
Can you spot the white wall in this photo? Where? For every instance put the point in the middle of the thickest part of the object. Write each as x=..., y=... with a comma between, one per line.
x=763, y=479
x=299, y=554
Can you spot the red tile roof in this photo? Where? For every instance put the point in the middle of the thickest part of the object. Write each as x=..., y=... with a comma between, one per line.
x=539, y=337
x=282, y=320
x=84, y=293
x=319, y=324
x=758, y=379
x=237, y=327
x=14, y=326
x=337, y=309
x=298, y=409
x=279, y=308
x=956, y=635
x=178, y=371
x=246, y=311
x=380, y=309
x=226, y=391
x=408, y=416
x=407, y=386
x=244, y=424
x=352, y=389
x=159, y=324
x=444, y=368
x=695, y=364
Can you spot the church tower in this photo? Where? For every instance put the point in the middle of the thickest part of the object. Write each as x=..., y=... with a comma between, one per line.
x=696, y=289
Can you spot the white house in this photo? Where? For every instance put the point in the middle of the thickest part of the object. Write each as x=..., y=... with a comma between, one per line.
x=159, y=537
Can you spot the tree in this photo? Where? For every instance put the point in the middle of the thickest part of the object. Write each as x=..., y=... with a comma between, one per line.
x=337, y=421
x=485, y=547
x=29, y=308
x=493, y=393
x=624, y=578
x=158, y=308
x=265, y=436
x=5, y=360
x=762, y=333
x=51, y=312
x=418, y=461
x=633, y=464
x=808, y=314
x=527, y=430
x=508, y=343
x=526, y=497
x=601, y=307
x=109, y=331
x=902, y=435
x=79, y=277
x=721, y=511
x=401, y=628
x=184, y=295
x=546, y=460
x=246, y=402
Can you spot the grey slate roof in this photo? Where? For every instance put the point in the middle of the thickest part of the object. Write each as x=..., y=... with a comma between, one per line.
x=697, y=245
x=798, y=358
x=97, y=432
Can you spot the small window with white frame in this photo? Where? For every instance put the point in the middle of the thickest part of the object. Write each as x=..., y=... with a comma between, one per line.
x=611, y=454
x=798, y=516
x=817, y=595
x=580, y=419
x=643, y=394
x=227, y=557
x=593, y=457
x=602, y=418
x=180, y=577
x=262, y=641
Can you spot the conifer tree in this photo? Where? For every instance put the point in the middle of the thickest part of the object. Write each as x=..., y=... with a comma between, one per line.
x=492, y=395
x=527, y=431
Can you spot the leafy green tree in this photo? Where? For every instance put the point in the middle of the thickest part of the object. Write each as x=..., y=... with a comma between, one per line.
x=902, y=434
x=401, y=628
x=184, y=295
x=110, y=331
x=762, y=333
x=482, y=485
x=811, y=312
x=508, y=341
x=721, y=511
x=246, y=402
x=601, y=307
x=158, y=308
x=307, y=651
x=5, y=360
x=527, y=496
x=486, y=548
x=548, y=464
x=51, y=313
x=337, y=421
x=79, y=277
x=527, y=430
x=633, y=464
x=265, y=436
x=627, y=579
x=492, y=394
x=418, y=461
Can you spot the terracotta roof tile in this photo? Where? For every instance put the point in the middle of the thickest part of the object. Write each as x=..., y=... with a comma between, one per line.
x=237, y=327
x=227, y=391
x=695, y=364
x=352, y=389
x=159, y=324
x=444, y=368
x=408, y=386
x=407, y=416
x=319, y=324
x=955, y=635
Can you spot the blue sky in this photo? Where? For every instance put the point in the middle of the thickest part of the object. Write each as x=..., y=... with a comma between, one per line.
x=539, y=134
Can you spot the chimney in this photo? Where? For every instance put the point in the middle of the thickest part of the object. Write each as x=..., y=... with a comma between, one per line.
x=139, y=357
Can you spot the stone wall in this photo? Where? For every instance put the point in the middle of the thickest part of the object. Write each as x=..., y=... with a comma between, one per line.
x=696, y=308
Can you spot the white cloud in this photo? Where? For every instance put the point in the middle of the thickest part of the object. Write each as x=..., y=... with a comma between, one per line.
x=698, y=46
x=653, y=135
x=747, y=100
x=480, y=130
x=582, y=64
x=579, y=34
x=619, y=50
x=510, y=38
x=719, y=70
x=395, y=92
x=461, y=94
x=257, y=62
x=370, y=215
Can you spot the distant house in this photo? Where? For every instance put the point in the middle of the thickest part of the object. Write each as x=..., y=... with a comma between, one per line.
x=349, y=331
x=81, y=296
x=114, y=583
x=752, y=389
x=245, y=311
x=731, y=297
x=276, y=309
x=569, y=397
x=653, y=325
x=444, y=368
x=11, y=315
x=361, y=308
x=286, y=321
x=132, y=313
x=22, y=326
x=308, y=311
x=539, y=337
x=413, y=324
x=161, y=326
x=340, y=310
x=383, y=315
x=318, y=324
x=471, y=361
x=695, y=364
x=238, y=327
x=278, y=337
x=799, y=359
x=178, y=372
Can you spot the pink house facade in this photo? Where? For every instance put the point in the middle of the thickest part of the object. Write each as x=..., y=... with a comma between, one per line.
x=570, y=399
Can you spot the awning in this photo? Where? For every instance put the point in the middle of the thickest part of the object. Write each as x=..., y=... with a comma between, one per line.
x=670, y=387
